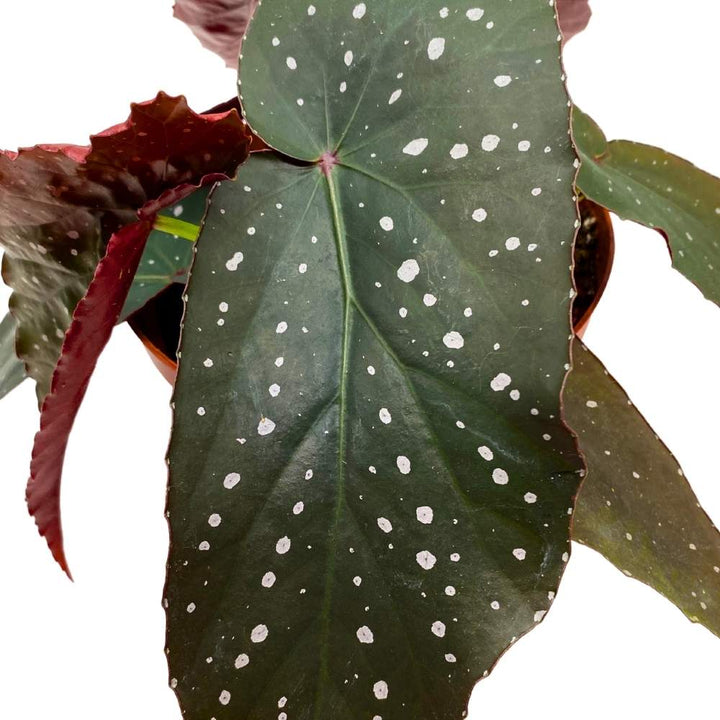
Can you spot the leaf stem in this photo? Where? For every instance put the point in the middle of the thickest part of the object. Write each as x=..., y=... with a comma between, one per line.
x=173, y=226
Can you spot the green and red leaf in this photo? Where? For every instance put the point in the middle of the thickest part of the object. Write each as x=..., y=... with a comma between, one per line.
x=370, y=477
x=60, y=204
x=635, y=506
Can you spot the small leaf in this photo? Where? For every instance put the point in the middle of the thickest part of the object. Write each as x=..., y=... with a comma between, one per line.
x=12, y=371
x=92, y=324
x=659, y=190
x=60, y=204
x=218, y=24
x=635, y=506
x=370, y=478
x=573, y=16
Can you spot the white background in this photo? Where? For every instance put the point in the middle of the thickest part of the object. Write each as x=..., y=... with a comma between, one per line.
x=646, y=70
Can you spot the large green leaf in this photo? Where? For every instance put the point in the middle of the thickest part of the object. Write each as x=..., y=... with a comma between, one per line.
x=12, y=371
x=635, y=506
x=660, y=190
x=370, y=479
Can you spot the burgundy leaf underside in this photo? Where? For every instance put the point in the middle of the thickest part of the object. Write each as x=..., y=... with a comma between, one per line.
x=160, y=155
x=573, y=16
x=89, y=332
x=218, y=24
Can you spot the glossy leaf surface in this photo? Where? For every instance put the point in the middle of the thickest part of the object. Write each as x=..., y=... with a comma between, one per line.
x=92, y=324
x=659, y=190
x=59, y=205
x=167, y=257
x=370, y=480
x=12, y=371
x=635, y=507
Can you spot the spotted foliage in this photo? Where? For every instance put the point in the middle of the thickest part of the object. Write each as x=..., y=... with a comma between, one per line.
x=636, y=507
x=370, y=478
x=659, y=190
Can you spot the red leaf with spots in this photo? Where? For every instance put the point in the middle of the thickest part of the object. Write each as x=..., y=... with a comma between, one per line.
x=573, y=16
x=218, y=24
x=89, y=332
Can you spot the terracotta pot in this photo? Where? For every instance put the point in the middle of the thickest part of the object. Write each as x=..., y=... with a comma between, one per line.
x=157, y=324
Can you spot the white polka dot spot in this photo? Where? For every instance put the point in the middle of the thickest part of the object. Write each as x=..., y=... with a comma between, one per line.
x=415, y=147
x=231, y=480
x=500, y=382
x=409, y=270
x=424, y=514
x=453, y=340
x=490, y=142
x=283, y=545
x=435, y=48
x=426, y=560
x=259, y=634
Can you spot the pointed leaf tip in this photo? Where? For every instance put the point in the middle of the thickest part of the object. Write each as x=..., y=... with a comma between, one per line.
x=635, y=506
x=89, y=331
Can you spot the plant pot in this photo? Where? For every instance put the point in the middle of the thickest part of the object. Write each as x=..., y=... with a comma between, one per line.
x=592, y=261
x=157, y=324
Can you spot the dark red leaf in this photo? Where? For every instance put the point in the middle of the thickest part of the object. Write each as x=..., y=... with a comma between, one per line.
x=60, y=204
x=573, y=16
x=218, y=24
x=89, y=332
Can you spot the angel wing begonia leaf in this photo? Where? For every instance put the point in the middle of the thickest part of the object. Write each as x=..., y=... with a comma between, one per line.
x=12, y=371
x=635, y=506
x=159, y=156
x=370, y=477
x=218, y=24
x=659, y=190
x=92, y=323
x=60, y=204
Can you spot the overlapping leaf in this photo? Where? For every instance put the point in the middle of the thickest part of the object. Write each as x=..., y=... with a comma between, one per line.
x=218, y=24
x=159, y=156
x=167, y=255
x=12, y=371
x=93, y=321
x=60, y=204
x=573, y=16
x=635, y=507
x=370, y=480
x=659, y=190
